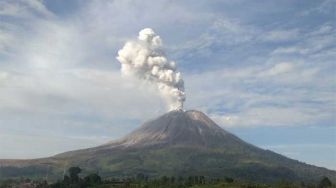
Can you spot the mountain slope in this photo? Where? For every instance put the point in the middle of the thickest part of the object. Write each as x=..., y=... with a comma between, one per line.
x=177, y=143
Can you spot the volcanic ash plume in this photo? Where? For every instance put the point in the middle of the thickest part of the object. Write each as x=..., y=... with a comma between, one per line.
x=145, y=59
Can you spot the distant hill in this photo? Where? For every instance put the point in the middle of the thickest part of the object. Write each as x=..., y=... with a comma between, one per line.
x=177, y=143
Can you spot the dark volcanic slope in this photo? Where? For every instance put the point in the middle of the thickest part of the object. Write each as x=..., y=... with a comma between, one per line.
x=176, y=143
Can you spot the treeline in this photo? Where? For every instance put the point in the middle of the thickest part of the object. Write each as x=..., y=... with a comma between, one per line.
x=72, y=179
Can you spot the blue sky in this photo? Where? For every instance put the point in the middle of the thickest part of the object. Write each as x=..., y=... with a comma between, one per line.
x=264, y=70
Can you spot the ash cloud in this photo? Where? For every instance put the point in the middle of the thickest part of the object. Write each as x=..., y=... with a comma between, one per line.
x=144, y=59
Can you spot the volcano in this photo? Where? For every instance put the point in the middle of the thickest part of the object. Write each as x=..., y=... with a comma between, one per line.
x=178, y=128
x=178, y=143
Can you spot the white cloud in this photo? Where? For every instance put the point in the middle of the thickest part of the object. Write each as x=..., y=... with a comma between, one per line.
x=281, y=35
x=325, y=7
x=284, y=94
x=59, y=81
x=102, y=91
x=3, y=76
x=320, y=40
x=23, y=9
x=60, y=76
x=24, y=15
x=272, y=116
x=279, y=68
x=6, y=40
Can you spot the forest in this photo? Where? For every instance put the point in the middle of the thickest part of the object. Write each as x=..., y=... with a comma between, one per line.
x=73, y=179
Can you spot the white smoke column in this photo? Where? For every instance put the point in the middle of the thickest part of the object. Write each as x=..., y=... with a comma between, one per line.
x=145, y=59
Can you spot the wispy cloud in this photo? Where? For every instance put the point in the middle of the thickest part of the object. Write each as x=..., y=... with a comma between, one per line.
x=277, y=94
x=59, y=76
x=26, y=9
x=281, y=35
x=319, y=41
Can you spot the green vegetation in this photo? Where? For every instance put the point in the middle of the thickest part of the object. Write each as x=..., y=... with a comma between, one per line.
x=72, y=179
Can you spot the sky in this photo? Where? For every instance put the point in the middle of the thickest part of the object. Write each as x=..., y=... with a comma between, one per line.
x=264, y=70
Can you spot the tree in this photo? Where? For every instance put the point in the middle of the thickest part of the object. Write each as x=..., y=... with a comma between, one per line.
x=140, y=177
x=325, y=182
x=190, y=181
x=229, y=180
x=172, y=180
x=73, y=173
x=164, y=180
x=180, y=180
x=92, y=179
x=196, y=180
x=66, y=179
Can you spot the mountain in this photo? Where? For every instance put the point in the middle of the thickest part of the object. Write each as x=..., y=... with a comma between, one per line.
x=178, y=143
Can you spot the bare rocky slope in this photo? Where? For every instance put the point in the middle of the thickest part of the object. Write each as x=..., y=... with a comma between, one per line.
x=177, y=143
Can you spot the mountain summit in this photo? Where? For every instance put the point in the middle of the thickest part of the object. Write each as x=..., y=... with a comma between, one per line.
x=179, y=128
x=178, y=143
